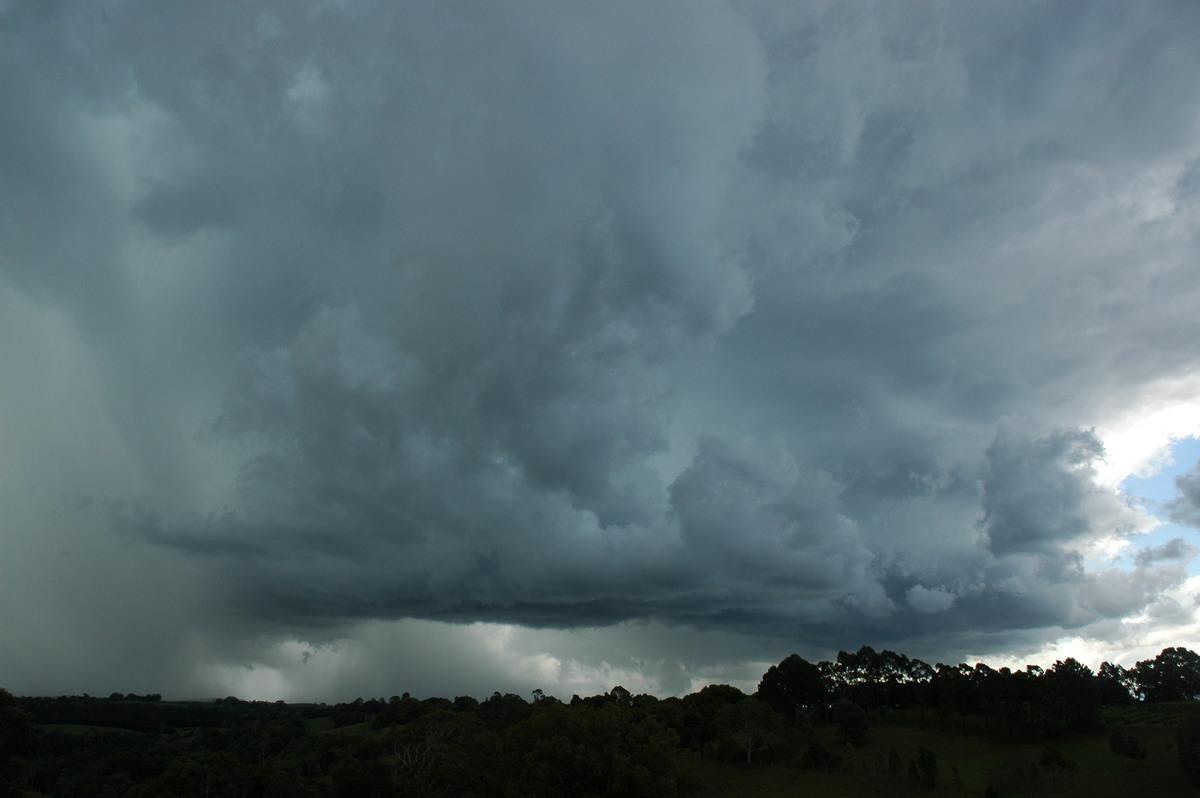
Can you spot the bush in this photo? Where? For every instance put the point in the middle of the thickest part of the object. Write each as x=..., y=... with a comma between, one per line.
x=851, y=720
x=1053, y=760
x=1126, y=746
x=817, y=757
x=927, y=769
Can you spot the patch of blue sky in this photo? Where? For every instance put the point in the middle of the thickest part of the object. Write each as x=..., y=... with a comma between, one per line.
x=1155, y=489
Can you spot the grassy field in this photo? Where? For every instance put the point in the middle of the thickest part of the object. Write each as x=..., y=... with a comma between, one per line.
x=980, y=759
x=78, y=728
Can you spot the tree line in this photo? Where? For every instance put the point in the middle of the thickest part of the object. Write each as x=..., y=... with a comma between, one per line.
x=611, y=744
x=1068, y=695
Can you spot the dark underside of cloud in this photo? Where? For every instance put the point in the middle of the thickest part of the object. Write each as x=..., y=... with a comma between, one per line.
x=792, y=321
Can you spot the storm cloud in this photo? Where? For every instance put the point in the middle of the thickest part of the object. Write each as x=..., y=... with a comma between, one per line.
x=789, y=328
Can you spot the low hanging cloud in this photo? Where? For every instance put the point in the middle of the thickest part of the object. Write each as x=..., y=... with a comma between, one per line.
x=740, y=318
x=1035, y=491
x=1185, y=508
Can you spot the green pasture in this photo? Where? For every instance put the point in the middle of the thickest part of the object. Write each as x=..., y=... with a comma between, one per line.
x=982, y=760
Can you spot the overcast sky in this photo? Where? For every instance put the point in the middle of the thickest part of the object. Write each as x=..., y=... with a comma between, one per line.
x=350, y=348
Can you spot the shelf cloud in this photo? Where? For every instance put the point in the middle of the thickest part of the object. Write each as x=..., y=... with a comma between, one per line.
x=790, y=328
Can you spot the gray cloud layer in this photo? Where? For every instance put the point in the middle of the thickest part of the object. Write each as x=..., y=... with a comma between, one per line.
x=1185, y=508
x=786, y=321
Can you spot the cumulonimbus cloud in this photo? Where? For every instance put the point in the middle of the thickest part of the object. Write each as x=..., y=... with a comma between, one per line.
x=786, y=320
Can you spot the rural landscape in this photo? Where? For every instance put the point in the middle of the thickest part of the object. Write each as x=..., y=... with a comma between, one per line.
x=870, y=723
x=485, y=399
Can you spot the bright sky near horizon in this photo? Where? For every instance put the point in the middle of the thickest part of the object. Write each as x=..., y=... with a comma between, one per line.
x=353, y=349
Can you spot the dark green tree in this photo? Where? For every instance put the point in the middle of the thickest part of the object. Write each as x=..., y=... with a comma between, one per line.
x=1053, y=760
x=927, y=768
x=1115, y=684
x=503, y=710
x=851, y=720
x=1126, y=746
x=818, y=757
x=1174, y=675
x=694, y=719
x=443, y=754
x=1071, y=694
x=750, y=727
x=954, y=688
x=859, y=676
x=793, y=686
x=201, y=774
x=580, y=751
x=18, y=739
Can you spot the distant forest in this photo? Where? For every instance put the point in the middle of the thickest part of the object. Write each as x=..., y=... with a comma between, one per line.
x=804, y=715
